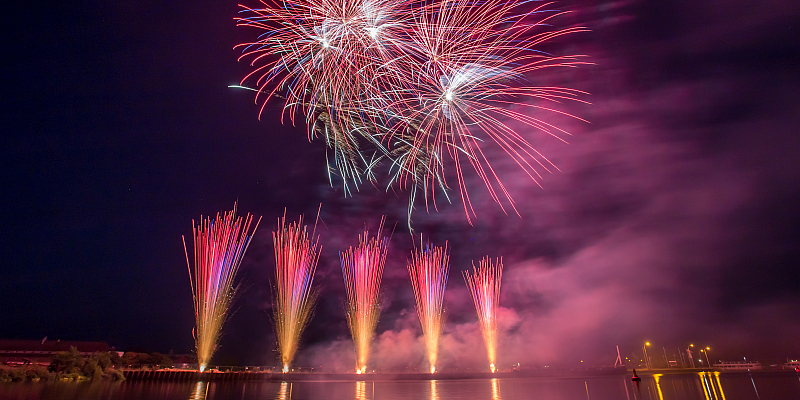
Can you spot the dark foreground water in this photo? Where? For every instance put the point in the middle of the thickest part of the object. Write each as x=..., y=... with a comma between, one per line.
x=731, y=386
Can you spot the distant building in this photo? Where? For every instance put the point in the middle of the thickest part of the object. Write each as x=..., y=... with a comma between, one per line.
x=42, y=351
x=184, y=361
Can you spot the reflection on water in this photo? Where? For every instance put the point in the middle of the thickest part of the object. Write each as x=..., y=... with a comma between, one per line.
x=496, y=390
x=285, y=392
x=719, y=385
x=669, y=386
x=200, y=391
x=361, y=390
x=712, y=388
x=657, y=377
x=754, y=387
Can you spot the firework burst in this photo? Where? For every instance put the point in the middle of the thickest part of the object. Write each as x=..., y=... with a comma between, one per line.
x=296, y=257
x=484, y=285
x=362, y=268
x=428, y=269
x=425, y=86
x=219, y=246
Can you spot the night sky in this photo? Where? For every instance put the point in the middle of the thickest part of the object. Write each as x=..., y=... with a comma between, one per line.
x=674, y=217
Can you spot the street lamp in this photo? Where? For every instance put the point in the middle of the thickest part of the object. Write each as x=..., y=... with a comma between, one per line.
x=706, y=352
x=646, y=357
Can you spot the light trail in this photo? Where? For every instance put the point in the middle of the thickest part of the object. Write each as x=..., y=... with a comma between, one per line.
x=428, y=269
x=362, y=268
x=296, y=256
x=484, y=285
x=219, y=246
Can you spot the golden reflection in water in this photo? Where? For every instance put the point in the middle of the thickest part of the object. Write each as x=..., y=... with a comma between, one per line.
x=706, y=390
x=496, y=390
x=709, y=389
x=285, y=392
x=200, y=391
x=711, y=383
x=361, y=390
x=719, y=384
x=657, y=377
x=434, y=392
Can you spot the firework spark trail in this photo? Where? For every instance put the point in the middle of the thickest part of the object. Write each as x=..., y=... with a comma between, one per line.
x=322, y=57
x=296, y=257
x=484, y=285
x=428, y=269
x=219, y=246
x=427, y=86
x=362, y=268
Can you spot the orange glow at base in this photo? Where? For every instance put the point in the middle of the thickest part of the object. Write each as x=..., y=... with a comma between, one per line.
x=492, y=368
x=433, y=370
x=285, y=369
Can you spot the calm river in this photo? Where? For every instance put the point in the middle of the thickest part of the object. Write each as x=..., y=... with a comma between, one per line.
x=730, y=386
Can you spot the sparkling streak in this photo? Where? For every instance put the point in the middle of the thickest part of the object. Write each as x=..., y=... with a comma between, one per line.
x=428, y=269
x=484, y=285
x=296, y=257
x=219, y=246
x=362, y=268
x=425, y=87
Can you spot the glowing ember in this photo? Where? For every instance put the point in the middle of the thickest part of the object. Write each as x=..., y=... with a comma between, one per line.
x=428, y=269
x=362, y=268
x=219, y=246
x=296, y=259
x=484, y=285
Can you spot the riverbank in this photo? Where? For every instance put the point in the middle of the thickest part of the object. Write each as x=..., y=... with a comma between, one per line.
x=38, y=373
x=185, y=375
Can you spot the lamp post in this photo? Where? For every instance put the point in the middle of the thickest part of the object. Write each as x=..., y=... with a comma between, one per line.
x=690, y=354
x=646, y=357
x=706, y=353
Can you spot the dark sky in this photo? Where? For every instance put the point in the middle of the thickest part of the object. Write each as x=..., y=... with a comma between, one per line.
x=674, y=218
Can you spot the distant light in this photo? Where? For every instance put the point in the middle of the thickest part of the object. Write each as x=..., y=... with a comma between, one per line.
x=648, y=343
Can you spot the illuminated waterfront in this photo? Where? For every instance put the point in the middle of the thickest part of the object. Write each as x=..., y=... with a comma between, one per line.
x=690, y=386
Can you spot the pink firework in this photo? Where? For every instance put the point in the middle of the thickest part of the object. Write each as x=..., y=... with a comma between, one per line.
x=321, y=57
x=362, y=268
x=428, y=269
x=219, y=246
x=471, y=71
x=484, y=285
x=296, y=257
x=424, y=86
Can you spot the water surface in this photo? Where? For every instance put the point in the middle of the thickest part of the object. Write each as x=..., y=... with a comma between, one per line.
x=709, y=386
